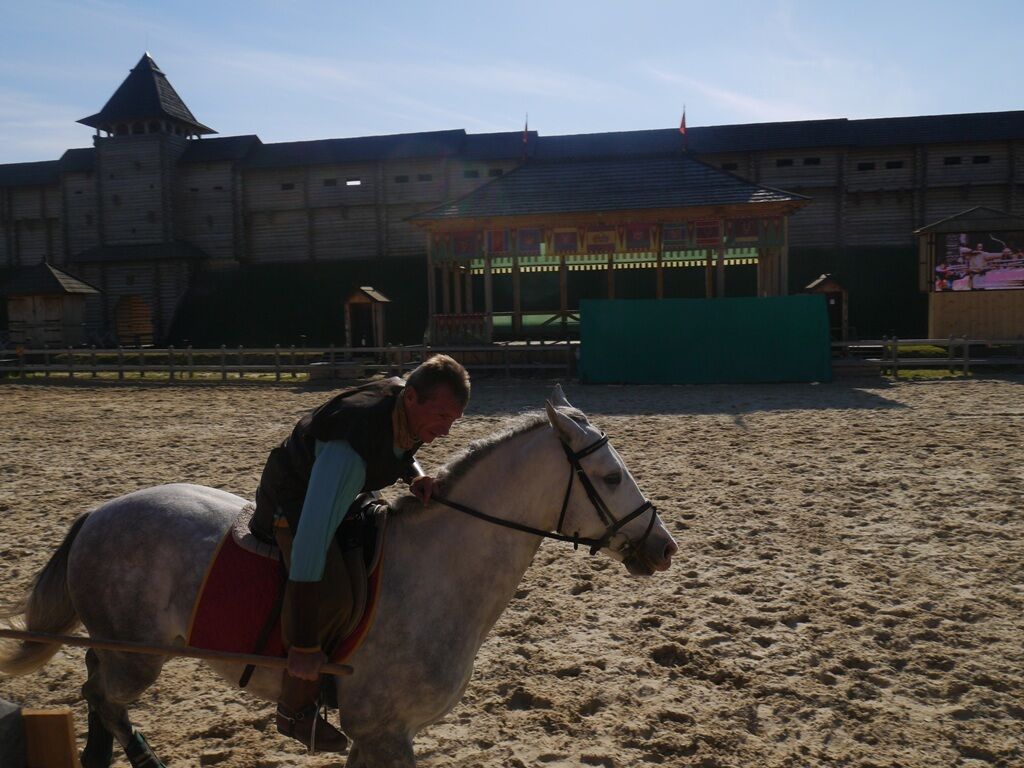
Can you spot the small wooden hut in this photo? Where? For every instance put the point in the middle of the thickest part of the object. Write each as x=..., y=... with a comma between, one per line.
x=46, y=307
x=364, y=317
x=972, y=267
x=836, y=299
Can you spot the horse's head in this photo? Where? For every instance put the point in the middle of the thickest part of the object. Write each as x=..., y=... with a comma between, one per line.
x=603, y=501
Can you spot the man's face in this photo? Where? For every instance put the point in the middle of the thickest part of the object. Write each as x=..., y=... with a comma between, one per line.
x=432, y=417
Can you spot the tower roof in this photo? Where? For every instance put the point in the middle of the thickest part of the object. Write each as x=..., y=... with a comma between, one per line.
x=145, y=94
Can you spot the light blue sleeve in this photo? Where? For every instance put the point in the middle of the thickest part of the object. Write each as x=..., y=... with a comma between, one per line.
x=338, y=475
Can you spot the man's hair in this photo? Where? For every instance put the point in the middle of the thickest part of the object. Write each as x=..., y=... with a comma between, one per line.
x=440, y=371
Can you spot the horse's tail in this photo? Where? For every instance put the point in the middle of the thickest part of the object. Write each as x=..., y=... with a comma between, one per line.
x=45, y=608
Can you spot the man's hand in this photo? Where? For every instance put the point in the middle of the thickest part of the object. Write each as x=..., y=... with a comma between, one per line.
x=305, y=663
x=423, y=487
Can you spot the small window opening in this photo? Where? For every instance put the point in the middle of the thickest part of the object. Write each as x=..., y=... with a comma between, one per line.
x=865, y=166
x=403, y=179
x=892, y=165
x=784, y=162
x=471, y=174
x=812, y=161
x=353, y=182
x=288, y=186
x=952, y=160
x=330, y=182
x=981, y=159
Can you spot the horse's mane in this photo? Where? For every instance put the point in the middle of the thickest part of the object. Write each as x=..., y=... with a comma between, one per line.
x=462, y=462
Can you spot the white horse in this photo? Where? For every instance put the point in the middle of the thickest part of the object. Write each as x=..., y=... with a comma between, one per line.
x=132, y=568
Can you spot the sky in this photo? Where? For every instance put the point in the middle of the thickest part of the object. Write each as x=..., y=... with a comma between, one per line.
x=294, y=69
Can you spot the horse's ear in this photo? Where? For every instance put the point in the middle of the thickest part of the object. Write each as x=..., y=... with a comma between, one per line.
x=558, y=398
x=565, y=427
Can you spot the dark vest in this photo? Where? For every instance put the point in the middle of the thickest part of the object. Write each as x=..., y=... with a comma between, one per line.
x=360, y=415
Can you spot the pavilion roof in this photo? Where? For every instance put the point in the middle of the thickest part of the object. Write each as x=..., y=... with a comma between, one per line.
x=976, y=219
x=145, y=94
x=597, y=185
x=44, y=280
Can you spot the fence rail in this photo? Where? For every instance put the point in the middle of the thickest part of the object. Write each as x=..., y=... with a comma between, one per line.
x=551, y=358
x=889, y=355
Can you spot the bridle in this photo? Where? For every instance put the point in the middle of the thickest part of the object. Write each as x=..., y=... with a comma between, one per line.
x=612, y=525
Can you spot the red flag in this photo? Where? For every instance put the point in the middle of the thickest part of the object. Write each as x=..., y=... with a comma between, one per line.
x=682, y=130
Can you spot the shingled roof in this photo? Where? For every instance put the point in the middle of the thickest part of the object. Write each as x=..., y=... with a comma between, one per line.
x=977, y=219
x=170, y=251
x=223, y=149
x=145, y=94
x=29, y=174
x=44, y=280
x=361, y=149
x=583, y=186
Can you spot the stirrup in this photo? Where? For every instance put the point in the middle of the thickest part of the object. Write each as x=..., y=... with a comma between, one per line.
x=292, y=718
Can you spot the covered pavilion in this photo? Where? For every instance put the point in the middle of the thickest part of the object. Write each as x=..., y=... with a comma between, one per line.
x=564, y=216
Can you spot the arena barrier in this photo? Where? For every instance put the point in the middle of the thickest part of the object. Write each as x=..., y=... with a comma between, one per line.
x=704, y=341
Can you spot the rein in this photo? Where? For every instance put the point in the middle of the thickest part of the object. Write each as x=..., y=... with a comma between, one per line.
x=575, y=470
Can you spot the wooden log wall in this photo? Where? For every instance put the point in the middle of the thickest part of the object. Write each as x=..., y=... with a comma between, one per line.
x=205, y=209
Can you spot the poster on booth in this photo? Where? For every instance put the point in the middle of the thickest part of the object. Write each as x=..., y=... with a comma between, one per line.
x=980, y=261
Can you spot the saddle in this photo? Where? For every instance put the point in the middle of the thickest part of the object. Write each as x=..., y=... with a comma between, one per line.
x=239, y=604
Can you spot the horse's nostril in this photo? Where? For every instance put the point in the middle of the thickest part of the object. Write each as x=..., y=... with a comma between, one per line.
x=670, y=549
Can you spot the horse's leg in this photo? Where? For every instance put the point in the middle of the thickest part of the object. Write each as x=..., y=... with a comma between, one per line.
x=386, y=751
x=355, y=759
x=116, y=680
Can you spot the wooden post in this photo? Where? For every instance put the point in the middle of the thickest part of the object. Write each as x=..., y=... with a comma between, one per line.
x=21, y=362
x=92, y=360
x=190, y=362
x=895, y=358
x=170, y=363
x=46, y=362
x=142, y=363
x=241, y=362
x=659, y=279
x=489, y=296
x=563, y=293
x=720, y=271
x=709, y=283
x=611, y=276
x=277, y=362
x=120, y=362
x=71, y=363
x=517, y=310
x=949, y=352
x=50, y=738
x=223, y=363
x=967, y=356
x=446, y=290
x=292, y=358
x=431, y=288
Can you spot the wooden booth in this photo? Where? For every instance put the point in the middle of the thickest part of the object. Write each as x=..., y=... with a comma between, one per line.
x=46, y=307
x=568, y=217
x=972, y=266
x=837, y=301
x=364, y=317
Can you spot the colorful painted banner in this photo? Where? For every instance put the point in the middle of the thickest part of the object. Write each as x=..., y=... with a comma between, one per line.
x=602, y=240
x=743, y=231
x=638, y=237
x=465, y=245
x=498, y=241
x=675, y=237
x=566, y=240
x=707, y=232
x=528, y=241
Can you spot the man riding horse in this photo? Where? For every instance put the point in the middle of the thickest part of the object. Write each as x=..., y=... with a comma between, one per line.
x=362, y=440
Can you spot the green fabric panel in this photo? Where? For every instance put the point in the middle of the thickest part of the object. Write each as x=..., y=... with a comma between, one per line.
x=705, y=341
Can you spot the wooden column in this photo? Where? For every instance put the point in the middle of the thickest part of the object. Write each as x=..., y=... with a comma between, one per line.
x=489, y=296
x=611, y=277
x=761, y=290
x=720, y=271
x=469, y=288
x=517, y=310
x=446, y=289
x=563, y=292
x=709, y=282
x=659, y=288
x=784, y=259
x=431, y=288
x=457, y=287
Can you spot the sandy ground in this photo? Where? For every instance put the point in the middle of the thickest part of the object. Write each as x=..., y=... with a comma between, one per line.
x=849, y=589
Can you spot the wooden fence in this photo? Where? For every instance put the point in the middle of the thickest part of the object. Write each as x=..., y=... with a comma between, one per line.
x=889, y=355
x=556, y=359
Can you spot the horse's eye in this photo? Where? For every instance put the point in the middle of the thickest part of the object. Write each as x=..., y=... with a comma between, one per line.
x=613, y=478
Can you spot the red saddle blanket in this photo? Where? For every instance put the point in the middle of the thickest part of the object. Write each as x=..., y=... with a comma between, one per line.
x=241, y=589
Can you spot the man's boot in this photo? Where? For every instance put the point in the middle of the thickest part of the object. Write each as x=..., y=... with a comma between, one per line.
x=296, y=715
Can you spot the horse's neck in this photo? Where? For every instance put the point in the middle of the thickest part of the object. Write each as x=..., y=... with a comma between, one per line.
x=521, y=480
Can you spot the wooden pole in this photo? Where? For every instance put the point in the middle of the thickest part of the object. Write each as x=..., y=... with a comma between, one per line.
x=659, y=289
x=517, y=310
x=709, y=282
x=431, y=290
x=611, y=276
x=271, y=662
x=720, y=271
x=489, y=297
x=563, y=293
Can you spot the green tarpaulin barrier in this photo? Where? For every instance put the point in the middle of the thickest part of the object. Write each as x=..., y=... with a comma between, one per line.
x=704, y=341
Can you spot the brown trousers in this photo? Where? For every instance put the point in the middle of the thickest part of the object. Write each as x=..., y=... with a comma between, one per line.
x=342, y=593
